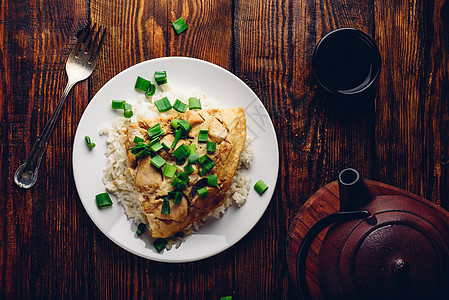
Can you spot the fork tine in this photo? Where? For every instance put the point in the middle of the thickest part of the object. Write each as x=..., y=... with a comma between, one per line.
x=94, y=42
x=88, y=41
x=79, y=41
x=95, y=56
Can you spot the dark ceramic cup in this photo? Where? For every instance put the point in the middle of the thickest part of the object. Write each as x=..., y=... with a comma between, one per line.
x=346, y=61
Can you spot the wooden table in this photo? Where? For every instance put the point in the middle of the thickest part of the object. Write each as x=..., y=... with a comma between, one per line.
x=397, y=132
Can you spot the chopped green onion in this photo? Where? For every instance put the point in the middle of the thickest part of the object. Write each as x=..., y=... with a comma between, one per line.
x=137, y=139
x=165, y=146
x=118, y=104
x=180, y=25
x=160, y=77
x=180, y=181
x=193, y=158
x=163, y=104
x=141, y=150
x=128, y=113
x=194, y=103
x=155, y=131
x=180, y=106
x=91, y=145
x=170, y=171
x=179, y=234
x=151, y=90
x=159, y=244
x=203, y=192
x=206, y=163
x=212, y=180
x=142, y=84
x=184, y=125
x=155, y=145
x=178, y=133
x=103, y=200
x=183, y=176
x=226, y=298
x=178, y=197
x=192, y=149
x=127, y=106
x=260, y=187
x=165, y=210
x=174, y=123
x=211, y=146
x=179, y=184
x=188, y=169
x=203, y=135
x=141, y=228
x=181, y=152
x=158, y=161
x=171, y=194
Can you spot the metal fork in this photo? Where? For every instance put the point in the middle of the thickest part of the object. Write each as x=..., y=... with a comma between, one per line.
x=80, y=64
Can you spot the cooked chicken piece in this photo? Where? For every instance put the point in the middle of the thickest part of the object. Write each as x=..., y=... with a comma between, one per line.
x=133, y=131
x=227, y=128
x=217, y=132
x=178, y=212
x=148, y=178
x=193, y=118
x=168, y=139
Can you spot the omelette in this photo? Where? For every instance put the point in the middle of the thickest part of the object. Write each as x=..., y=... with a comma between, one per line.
x=177, y=187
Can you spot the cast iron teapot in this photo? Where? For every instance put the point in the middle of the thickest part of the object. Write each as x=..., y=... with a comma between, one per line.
x=379, y=247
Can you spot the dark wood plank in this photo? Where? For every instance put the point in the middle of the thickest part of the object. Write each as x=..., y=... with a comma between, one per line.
x=35, y=38
x=319, y=135
x=411, y=111
x=139, y=31
x=399, y=107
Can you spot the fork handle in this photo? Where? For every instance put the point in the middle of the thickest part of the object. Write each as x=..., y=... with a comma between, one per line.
x=26, y=174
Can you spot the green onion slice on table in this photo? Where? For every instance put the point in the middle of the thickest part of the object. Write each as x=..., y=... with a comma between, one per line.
x=180, y=25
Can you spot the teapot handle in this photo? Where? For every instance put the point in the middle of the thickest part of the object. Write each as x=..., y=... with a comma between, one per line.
x=338, y=217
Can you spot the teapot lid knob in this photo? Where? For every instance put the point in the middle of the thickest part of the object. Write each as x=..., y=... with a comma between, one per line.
x=399, y=266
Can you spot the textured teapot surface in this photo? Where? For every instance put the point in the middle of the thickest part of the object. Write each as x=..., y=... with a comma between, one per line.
x=401, y=251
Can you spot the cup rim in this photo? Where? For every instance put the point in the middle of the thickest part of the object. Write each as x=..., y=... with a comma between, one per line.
x=366, y=38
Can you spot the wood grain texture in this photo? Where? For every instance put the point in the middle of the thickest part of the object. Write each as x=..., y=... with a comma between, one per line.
x=397, y=132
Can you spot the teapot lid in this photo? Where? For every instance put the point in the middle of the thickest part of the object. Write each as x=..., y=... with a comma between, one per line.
x=392, y=255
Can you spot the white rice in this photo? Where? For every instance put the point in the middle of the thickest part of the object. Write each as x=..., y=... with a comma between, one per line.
x=117, y=177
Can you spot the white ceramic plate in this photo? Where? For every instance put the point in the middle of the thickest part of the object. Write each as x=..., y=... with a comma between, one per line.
x=227, y=90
